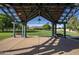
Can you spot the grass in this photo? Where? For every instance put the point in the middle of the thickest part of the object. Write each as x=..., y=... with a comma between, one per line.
x=69, y=33
x=4, y=35
x=48, y=33
x=43, y=33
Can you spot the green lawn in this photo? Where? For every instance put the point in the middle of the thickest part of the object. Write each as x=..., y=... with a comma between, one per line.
x=69, y=33
x=49, y=33
x=44, y=33
x=4, y=35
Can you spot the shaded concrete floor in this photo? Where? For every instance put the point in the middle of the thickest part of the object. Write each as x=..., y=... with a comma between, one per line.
x=39, y=46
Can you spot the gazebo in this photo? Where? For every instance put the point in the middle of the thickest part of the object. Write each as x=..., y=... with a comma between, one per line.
x=56, y=13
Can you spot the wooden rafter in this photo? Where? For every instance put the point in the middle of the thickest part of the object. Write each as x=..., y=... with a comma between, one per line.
x=27, y=11
x=73, y=14
x=68, y=13
x=8, y=9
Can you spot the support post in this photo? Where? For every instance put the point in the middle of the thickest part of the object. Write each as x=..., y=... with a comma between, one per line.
x=24, y=30
x=14, y=29
x=64, y=30
x=52, y=29
x=55, y=30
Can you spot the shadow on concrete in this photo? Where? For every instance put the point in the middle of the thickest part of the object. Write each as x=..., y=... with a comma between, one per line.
x=64, y=45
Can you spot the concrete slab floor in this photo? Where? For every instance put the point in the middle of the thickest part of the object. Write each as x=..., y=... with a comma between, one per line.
x=38, y=46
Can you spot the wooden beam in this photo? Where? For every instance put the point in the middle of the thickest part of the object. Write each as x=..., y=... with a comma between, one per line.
x=62, y=12
x=32, y=16
x=73, y=14
x=15, y=11
x=47, y=15
x=67, y=14
x=8, y=9
x=47, y=11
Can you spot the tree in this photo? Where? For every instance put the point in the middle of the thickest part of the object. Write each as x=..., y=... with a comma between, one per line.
x=46, y=26
x=5, y=22
x=73, y=23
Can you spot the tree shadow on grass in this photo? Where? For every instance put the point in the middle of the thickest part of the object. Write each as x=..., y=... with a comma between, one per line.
x=64, y=45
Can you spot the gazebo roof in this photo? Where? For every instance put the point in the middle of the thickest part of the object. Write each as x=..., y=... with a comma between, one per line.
x=51, y=11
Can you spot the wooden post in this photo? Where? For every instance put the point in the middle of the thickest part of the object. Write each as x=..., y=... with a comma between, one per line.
x=52, y=29
x=55, y=30
x=14, y=29
x=24, y=30
x=64, y=30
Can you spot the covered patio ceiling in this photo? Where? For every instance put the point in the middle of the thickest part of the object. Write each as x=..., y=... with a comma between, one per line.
x=54, y=12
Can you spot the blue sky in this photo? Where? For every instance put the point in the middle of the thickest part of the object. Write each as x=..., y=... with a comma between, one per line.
x=35, y=22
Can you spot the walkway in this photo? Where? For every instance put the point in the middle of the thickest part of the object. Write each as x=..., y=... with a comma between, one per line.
x=39, y=45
